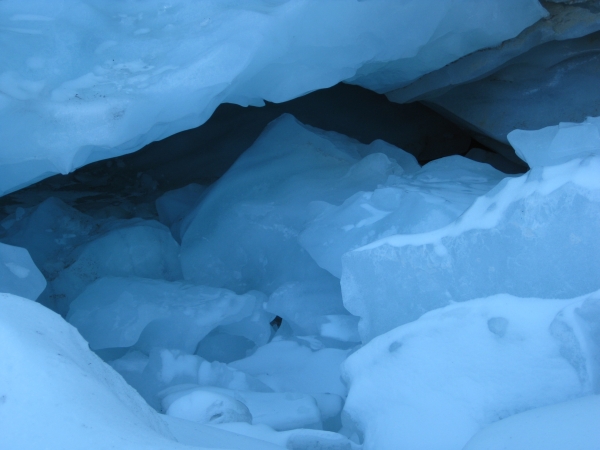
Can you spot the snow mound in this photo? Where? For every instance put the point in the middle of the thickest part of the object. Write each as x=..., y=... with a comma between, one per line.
x=566, y=425
x=435, y=382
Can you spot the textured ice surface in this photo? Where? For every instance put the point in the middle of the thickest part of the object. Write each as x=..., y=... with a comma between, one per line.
x=555, y=82
x=419, y=201
x=435, y=382
x=83, y=82
x=244, y=234
x=280, y=411
x=545, y=75
x=566, y=20
x=135, y=248
x=557, y=144
x=445, y=44
x=18, y=273
x=205, y=406
x=152, y=374
x=531, y=236
x=571, y=424
x=121, y=312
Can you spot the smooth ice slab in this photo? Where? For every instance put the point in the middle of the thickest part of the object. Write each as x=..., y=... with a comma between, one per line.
x=557, y=144
x=18, y=274
x=121, y=312
x=136, y=248
x=433, y=383
x=87, y=81
x=244, y=233
x=531, y=236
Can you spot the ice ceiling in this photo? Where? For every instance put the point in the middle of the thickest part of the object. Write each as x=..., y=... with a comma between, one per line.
x=408, y=259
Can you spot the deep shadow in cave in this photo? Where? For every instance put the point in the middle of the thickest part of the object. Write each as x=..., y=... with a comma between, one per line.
x=203, y=154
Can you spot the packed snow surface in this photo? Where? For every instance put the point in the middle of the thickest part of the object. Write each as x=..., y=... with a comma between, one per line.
x=82, y=81
x=433, y=383
x=322, y=294
x=570, y=424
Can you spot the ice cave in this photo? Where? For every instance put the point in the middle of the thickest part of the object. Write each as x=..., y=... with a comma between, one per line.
x=300, y=224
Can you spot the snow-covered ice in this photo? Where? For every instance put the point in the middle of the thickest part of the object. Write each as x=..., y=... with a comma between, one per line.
x=81, y=81
x=421, y=200
x=557, y=144
x=530, y=236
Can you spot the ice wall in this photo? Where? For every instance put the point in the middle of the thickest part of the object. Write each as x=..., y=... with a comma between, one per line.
x=472, y=289
x=531, y=236
x=545, y=75
x=82, y=81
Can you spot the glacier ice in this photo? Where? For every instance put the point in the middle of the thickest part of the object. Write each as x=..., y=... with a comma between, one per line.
x=292, y=366
x=530, y=236
x=421, y=200
x=557, y=78
x=456, y=369
x=280, y=411
x=205, y=406
x=56, y=391
x=305, y=306
x=134, y=248
x=18, y=273
x=566, y=20
x=409, y=299
x=545, y=75
x=244, y=234
x=50, y=229
x=557, y=144
x=173, y=206
x=83, y=81
x=123, y=312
